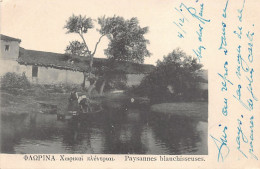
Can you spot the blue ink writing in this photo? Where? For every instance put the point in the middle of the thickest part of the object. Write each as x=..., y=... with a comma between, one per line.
x=251, y=150
x=240, y=135
x=225, y=108
x=198, y=52
x=221, y=144
x=240, y=11
x=200, y=33
x=193, y=13
x=250, y=88
x=239, y=33
x=250, y=46
x=225, y=10
x=224, y=78
x=238, y=92
x=223, y=38
x=241, y=60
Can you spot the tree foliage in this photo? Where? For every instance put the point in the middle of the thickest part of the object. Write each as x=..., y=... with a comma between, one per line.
x=78, y=24
x=175, y=78
x=126, y=37
x=127, y=41
x=76, y=48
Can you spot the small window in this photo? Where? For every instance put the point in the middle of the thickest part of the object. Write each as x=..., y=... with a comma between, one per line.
x=7, y=47
x=35, y=71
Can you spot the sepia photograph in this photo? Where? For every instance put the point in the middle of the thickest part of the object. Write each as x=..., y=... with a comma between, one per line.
x=88, y=77
x=129, y=84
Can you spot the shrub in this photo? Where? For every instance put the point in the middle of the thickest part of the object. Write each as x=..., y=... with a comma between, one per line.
x=13, y=80
x=175, y=78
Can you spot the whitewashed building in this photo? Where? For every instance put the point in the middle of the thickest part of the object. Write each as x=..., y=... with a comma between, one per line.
x=55, y=68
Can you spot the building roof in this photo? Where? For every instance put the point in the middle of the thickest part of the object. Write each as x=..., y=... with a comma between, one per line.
x=8, y=38
x=76, y=63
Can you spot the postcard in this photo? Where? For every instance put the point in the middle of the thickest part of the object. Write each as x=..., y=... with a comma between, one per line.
x=130, y=84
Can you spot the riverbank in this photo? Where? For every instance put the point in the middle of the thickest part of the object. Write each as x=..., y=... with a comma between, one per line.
x=42, y=99
x=35, y=100
x=198, y=110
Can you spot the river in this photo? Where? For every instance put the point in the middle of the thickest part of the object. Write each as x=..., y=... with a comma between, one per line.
x=132, y=132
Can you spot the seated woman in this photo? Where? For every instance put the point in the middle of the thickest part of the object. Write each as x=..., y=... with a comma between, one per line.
x=84, y=104
x=73, y=105
x=78, y=104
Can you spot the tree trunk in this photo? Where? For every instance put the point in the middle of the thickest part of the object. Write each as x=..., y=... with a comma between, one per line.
x=84, y=81
x=91, y=87
x=102, y=87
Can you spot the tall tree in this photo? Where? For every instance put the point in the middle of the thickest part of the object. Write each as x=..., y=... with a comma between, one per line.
x=80, y=25
x=126, y=42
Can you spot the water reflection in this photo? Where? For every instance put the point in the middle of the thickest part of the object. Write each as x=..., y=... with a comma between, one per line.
x=133, y=132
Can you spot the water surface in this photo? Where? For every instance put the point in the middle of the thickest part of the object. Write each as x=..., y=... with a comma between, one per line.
x=132, y=132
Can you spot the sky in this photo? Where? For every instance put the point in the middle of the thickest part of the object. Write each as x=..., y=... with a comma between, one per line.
x=39, y=24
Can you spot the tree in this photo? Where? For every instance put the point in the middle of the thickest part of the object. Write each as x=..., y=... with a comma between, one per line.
x=111, y=80
x=109, y=75
x=175, y=77
x=80, y=25
x=126, y=43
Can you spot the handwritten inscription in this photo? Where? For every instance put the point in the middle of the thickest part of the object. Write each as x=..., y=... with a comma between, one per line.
x=251, y=149
x=196, y=15
x=225, y=78
x=221, y=144
x=241, y=138
x=235, y=78
x=223, y=44
x=180, y=23
x=225, y=82
x=244, y=92
x=240, y=85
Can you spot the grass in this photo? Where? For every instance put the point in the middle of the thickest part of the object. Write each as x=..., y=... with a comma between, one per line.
x=189, y=109
x=28, y=101
x=12, y=104
x=38, y=99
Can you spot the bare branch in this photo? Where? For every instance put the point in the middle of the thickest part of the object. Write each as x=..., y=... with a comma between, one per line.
x=97, y=44
x=84, y=42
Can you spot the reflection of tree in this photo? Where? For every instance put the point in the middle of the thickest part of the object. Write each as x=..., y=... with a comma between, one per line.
x=116, y=132
x=78, y=133
x=71, y=134
x=123, y=134
x=177, y=133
